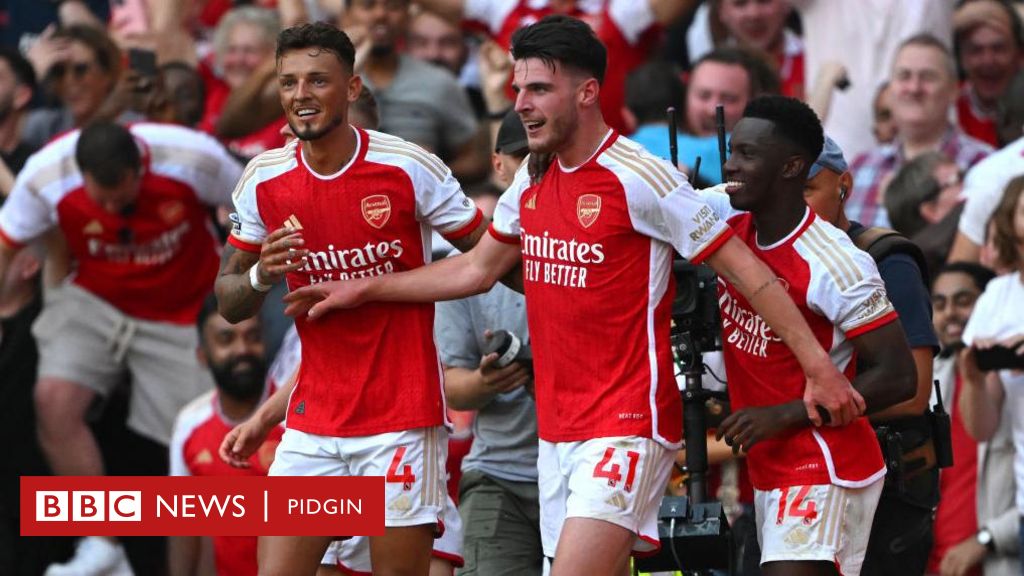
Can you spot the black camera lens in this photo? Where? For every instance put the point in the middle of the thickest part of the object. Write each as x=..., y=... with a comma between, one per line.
x=507, y=345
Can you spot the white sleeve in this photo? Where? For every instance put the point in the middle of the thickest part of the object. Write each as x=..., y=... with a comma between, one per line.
x=248, y=229
x=506, y=214
x=492, y=13
x=985, y=309
x=983, y=188
x=716, y=197
x=440, y=201
x=177, y=449
x=214, y=184
x=633, y=17
x=662, y=204
x=194, y=158
x=845, y=286
x=26, y=214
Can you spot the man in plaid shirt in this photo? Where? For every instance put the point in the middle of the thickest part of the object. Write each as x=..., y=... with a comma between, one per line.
x=924, y=88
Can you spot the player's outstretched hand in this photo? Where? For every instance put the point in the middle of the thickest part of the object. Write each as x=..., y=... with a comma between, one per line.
x=317, y=299
x=833, y=392
x=242, y=442
x=745, y=428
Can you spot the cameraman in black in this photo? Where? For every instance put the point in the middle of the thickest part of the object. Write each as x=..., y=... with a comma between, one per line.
x=901, y=535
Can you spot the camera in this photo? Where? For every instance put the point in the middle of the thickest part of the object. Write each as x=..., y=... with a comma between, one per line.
x=509, y=348
x=998, y=358
x=696, y=324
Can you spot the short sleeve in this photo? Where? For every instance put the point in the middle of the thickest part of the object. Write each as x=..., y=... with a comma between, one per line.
x=662, y=204
x=985, y=310
x=910, y=299
x=194, y=158
x=247, y=227
x=177, y=450
x=440, y=201
x=845, y=286
x=983, y=187
x=26, y=214
x=505, y=223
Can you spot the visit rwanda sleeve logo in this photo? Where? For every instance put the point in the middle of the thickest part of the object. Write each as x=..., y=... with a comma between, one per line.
x=376, y=210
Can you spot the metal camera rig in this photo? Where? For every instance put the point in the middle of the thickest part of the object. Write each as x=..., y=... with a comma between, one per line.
x=694, y=531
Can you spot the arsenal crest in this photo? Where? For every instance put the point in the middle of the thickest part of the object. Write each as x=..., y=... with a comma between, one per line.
x=376, y=210
x=172, y=212
x=588, y=208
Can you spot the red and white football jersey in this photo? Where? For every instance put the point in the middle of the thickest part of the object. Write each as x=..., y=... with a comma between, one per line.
x=626, y=27
x=157, y=263
x=597, y=246
x=198, y=432
x=839, y=292
x=373, y=369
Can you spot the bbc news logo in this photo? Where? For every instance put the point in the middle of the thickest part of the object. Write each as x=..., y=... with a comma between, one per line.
x=209, y=506
x=89, y=506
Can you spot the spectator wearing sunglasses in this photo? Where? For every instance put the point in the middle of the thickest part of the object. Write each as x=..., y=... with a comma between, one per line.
x=80, y=66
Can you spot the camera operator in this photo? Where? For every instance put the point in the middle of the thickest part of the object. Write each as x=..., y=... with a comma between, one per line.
x=901, y=536
x=498, y=497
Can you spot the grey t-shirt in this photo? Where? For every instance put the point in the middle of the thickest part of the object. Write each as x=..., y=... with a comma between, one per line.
x=505, y=430
x=425, y=104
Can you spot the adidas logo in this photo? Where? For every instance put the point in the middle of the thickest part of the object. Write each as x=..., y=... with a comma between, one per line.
x=292, y=223
x=531, y=202
x=301, y=408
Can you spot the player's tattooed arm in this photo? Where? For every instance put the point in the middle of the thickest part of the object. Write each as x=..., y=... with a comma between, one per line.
x=282, y=252
x=236, y=299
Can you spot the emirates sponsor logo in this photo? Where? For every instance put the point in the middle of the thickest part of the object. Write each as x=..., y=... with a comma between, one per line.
x=588, y=208
x=376, y=210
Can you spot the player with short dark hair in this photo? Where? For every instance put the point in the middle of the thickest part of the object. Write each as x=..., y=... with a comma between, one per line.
x=816, y=489
x=340, y=202
x=595, y=235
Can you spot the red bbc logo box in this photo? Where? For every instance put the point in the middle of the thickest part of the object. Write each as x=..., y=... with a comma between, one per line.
x=89, y=506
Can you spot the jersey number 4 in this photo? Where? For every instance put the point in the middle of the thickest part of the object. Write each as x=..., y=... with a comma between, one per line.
x=406, y=477
x=800, y=507
x=605, y=468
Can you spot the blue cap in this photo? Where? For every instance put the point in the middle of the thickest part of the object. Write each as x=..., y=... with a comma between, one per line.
x=831, y=157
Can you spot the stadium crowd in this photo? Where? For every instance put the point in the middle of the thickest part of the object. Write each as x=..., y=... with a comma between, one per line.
x=285, y=237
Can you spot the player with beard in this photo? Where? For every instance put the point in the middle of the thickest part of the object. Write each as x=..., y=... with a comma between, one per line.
x=595, y=237
x=341, y=202
x=234, y=355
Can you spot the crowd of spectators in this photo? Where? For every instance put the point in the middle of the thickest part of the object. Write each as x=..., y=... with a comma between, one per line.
x=922, y=99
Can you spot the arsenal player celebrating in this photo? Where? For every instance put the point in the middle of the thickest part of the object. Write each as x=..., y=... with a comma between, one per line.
x=340, y=203
x=595, y=236
x=816, y=490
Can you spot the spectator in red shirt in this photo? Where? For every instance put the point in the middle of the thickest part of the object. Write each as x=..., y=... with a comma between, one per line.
x=989, y=45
